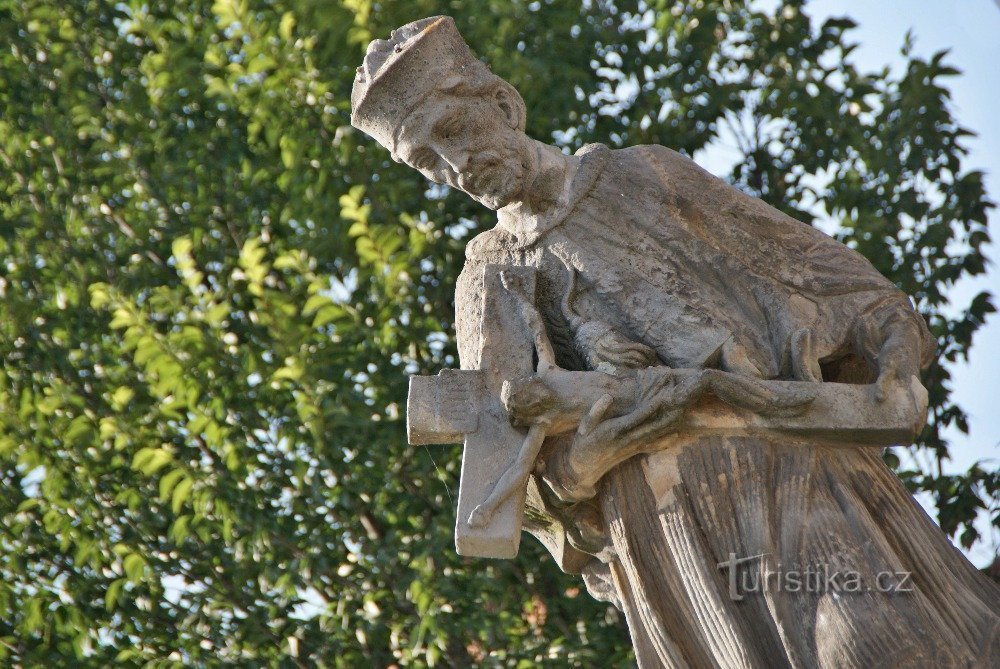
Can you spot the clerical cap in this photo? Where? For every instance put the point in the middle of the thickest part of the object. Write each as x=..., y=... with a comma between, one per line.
x=398, y=74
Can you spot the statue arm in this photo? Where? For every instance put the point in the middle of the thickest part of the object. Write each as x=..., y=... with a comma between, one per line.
x=894, y=340
x=661, y=397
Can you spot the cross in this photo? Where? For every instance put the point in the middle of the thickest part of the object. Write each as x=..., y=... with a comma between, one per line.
x=465, y=405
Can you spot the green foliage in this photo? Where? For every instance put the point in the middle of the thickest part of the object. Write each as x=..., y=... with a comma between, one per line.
x=214, y=289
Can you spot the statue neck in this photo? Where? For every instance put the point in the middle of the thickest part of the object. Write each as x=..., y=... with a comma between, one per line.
x=548, y=184
x=546, y=196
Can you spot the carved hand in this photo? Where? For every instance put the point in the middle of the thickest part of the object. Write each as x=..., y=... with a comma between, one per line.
x=661, y=397
x=600, y=442
x=896, y=366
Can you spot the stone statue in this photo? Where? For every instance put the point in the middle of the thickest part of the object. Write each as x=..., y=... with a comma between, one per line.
x=681, y=391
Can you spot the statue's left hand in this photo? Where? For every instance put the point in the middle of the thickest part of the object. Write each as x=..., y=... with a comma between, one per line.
x=897, y=364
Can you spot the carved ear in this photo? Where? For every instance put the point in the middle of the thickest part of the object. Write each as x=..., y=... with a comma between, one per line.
x=505, y=102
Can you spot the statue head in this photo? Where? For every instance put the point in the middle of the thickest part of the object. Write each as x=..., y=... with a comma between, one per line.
x=423, y=95
x=526, y=399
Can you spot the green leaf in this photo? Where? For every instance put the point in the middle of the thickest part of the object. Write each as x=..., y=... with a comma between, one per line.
x=260, y=64
x=35, y=616
x=79, y=431
x=122, y=319
x=113, y=595
x=286, y=26
x=314, y=303
x=179, y=529
x=292, y=372
x=167, y=483
x=181, y=247
x=135, y=567
x=326, y=315
x=99, y=295
x=150, y=460
x=121, y=397
x=181, y=493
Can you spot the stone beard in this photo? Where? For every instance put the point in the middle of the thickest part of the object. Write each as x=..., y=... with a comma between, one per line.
x=641, y=261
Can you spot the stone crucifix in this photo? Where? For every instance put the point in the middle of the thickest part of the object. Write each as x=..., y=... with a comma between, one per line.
x=667, y=381
x=485, y=408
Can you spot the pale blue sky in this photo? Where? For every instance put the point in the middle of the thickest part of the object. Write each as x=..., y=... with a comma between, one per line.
x=971, y=29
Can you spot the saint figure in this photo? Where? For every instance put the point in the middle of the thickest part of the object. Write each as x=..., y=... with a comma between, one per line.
x=742, y=551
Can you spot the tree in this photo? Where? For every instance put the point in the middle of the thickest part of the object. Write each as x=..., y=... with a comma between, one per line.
x=214, y=289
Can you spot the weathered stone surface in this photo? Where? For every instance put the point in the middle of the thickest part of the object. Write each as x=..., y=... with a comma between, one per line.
x=680, y=383
x=465, y=405
x=443, y=409
x=448, y=408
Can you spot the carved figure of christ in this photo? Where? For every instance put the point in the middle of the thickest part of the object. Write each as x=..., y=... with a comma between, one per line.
x=615, y=416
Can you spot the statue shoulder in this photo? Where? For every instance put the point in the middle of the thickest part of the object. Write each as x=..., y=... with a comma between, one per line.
x=648, y=164
x=666, y=161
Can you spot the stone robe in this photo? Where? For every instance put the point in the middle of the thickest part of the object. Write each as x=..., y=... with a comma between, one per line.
x=677, y=259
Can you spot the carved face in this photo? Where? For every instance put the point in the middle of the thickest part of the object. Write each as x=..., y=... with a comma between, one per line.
x=468, y=142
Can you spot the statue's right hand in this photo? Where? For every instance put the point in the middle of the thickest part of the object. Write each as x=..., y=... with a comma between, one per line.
x=601, y=443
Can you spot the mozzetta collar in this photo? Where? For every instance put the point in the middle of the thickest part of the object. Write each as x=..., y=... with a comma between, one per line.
x=528, y=231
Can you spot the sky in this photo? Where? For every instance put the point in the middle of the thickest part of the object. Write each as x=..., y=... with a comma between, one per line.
x=971, y=30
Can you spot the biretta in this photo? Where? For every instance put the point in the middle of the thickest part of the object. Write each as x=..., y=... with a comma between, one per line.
x=399, y=73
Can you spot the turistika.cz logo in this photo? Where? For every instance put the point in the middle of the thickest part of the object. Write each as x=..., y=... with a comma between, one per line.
x=747, y=576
